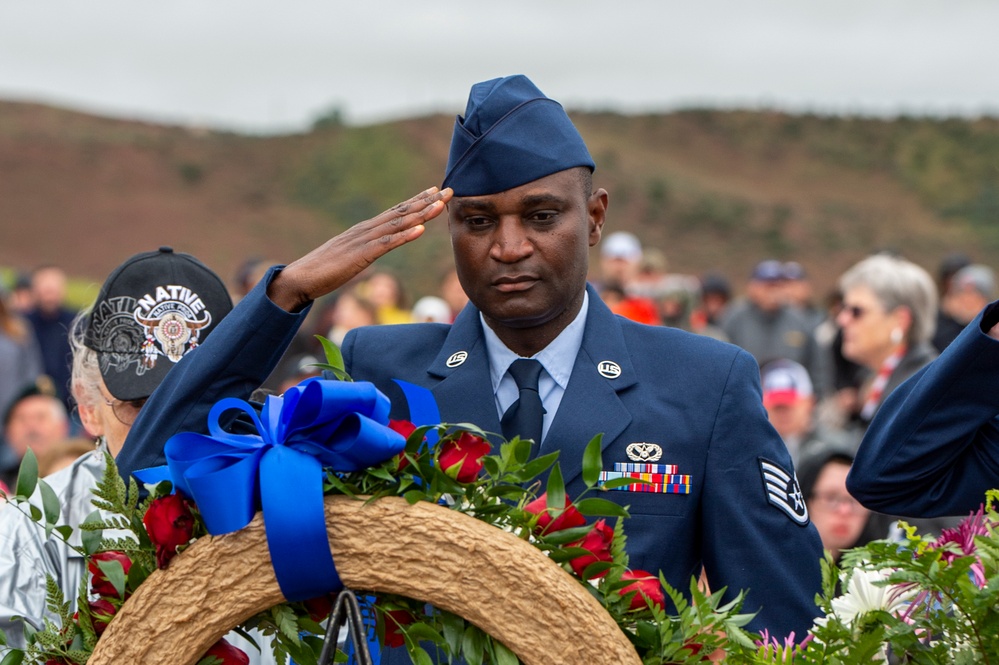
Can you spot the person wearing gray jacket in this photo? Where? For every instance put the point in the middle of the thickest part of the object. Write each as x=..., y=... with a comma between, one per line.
x=152, y=311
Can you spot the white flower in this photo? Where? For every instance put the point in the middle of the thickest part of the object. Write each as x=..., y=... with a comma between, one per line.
x=863, y=595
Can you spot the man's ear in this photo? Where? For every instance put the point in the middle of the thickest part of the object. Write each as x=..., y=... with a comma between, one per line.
x=91, y=421
x=597, y=208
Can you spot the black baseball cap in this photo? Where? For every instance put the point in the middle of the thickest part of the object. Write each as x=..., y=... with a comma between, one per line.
x=153, y=309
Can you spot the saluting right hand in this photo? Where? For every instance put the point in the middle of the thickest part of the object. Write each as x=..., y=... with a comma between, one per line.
x=340, y=259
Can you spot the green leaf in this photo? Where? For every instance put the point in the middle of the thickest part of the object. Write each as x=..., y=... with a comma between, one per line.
x=567, y=535
x=594, y=507
x=210, y=660
x=299, y=651
x=27, y=475
x=137, y=574
x=564, y=554
x=50, y=505
x=413, y=496
x=648, y=632
x=473, y=645
x=381, y=472
x=284, y=617
x=593, y=462
x=503, y=655
x=522, y=450
x=621, y=482
x=453, y=626
x=421, y=631
x=421, y=657
x=535, y=467
x=91, y=539
x=14, y=657
x=596, y=568
x=556, y=490
x=115, y=573
x=334, y=358
x=469, y=427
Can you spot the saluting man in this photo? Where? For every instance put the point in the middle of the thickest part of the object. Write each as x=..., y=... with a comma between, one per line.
x=522, y=219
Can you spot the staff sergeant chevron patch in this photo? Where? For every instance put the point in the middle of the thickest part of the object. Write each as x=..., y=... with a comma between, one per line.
x=782, y=490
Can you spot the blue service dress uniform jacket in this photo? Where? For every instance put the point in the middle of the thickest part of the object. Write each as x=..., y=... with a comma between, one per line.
x=933, y=447
x=698, y=399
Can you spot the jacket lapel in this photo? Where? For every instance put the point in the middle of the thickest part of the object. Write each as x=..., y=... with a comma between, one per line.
x=591, y=404
x=464, y=391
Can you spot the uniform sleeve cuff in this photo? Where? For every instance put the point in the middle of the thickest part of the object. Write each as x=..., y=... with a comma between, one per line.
x=990, y=317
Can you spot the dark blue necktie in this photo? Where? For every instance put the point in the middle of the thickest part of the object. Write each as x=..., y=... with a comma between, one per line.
x=525, y=417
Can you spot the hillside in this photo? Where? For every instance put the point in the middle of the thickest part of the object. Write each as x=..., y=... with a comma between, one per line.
x=712, y=189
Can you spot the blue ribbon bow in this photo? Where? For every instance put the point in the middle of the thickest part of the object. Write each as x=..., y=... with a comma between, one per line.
x=317, y=424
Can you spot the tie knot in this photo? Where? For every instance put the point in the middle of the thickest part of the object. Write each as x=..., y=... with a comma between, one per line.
x=526, y=372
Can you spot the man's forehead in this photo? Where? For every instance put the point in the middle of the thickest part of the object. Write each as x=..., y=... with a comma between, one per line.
x=561, y=186
x=33, y=404
x=504, y=199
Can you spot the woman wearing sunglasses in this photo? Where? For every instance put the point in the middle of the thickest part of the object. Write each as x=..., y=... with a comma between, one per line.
x=888, y=316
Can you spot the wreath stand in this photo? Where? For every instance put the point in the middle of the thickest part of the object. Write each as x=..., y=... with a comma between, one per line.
x=502, y=584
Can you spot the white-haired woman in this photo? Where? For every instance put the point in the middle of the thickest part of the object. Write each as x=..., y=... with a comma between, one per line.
x=888, y=316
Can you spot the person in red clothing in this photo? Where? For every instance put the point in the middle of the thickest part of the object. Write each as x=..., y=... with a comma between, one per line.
x=620, y=262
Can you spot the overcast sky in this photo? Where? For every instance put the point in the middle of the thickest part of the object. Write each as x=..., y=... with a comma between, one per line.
x=252, y=65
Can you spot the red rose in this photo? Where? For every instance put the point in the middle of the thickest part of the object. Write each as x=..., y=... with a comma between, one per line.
x=101, y=613
x=227, y=654
x=467, y=451
x=394, y=622
x=647, y=585
x=170, y=524
x=405, y=428
x=319, y=608
x=567, y=519
x=598, y=542
x=99, y=583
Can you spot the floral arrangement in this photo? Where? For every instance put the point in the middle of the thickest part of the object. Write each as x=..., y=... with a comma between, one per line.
x=921, y=600
x=126, y=541
x=916, y=601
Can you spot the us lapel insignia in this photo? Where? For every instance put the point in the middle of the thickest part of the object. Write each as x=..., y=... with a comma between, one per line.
x=609, y=369
x=457, y=358
x=783, y=492
x=644, y=452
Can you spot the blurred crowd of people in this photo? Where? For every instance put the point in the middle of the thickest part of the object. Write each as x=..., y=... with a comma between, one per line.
x=824, y=369
x=35, y=402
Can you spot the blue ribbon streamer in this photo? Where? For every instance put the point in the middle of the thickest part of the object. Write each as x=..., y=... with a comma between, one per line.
x=317, y=424
x=422, y=408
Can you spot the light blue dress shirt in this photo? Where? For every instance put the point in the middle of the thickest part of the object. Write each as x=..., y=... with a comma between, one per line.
x=557, y=359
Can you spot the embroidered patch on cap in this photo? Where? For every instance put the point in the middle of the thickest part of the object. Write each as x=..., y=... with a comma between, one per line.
x=782, y=490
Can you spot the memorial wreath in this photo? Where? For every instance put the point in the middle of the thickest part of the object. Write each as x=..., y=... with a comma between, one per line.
x=125, y=541
x=919, y=600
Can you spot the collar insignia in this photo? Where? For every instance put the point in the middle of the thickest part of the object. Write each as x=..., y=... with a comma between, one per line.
x=609, y=369
x=457, y=358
